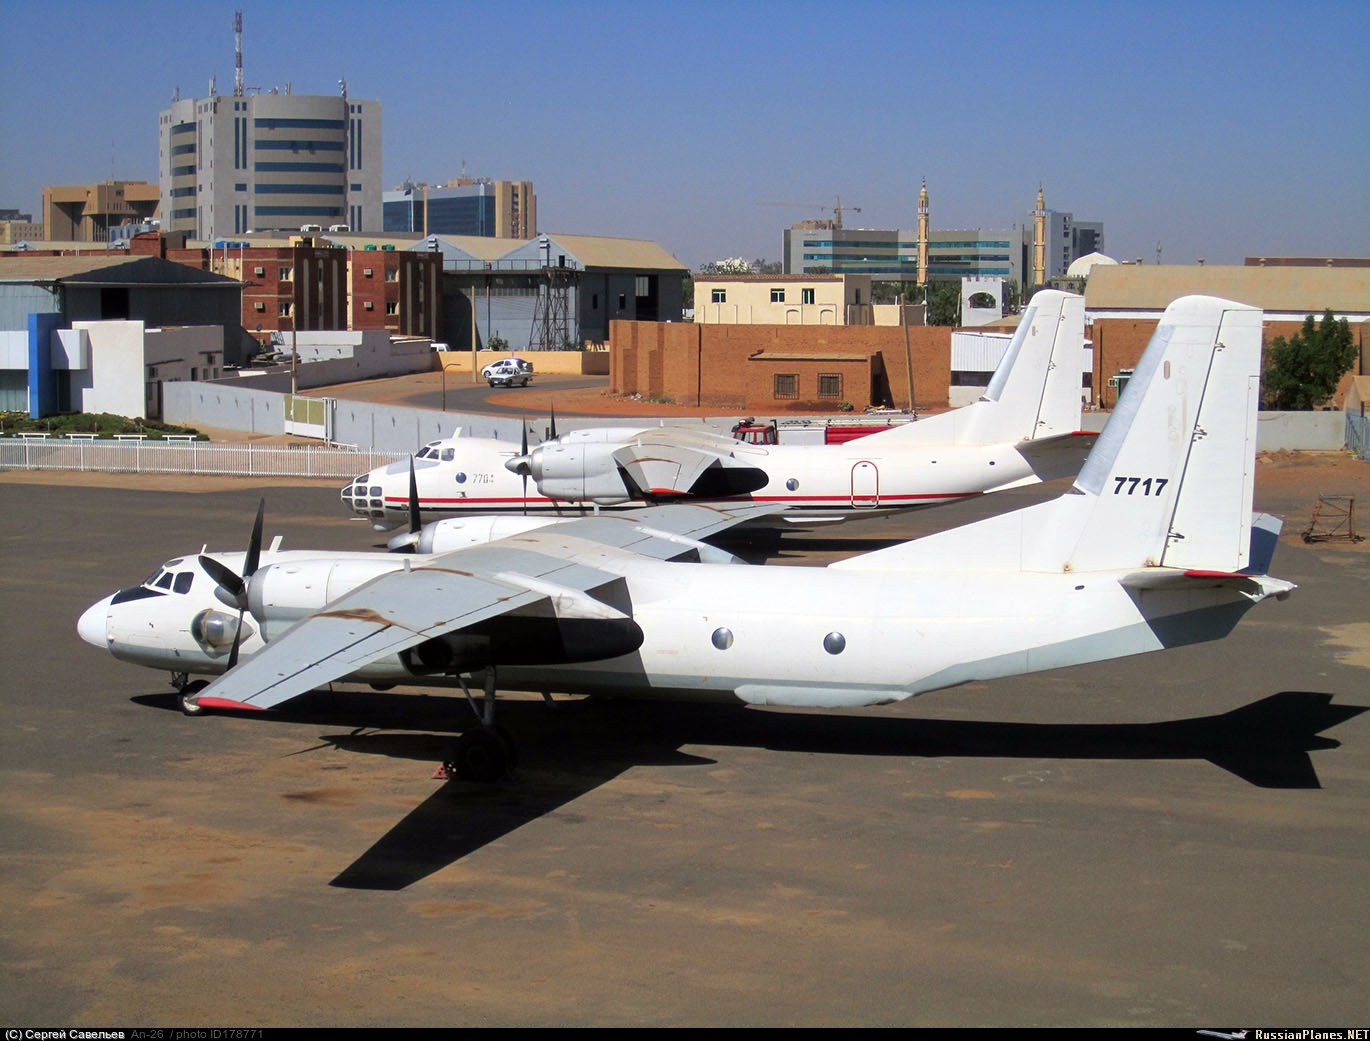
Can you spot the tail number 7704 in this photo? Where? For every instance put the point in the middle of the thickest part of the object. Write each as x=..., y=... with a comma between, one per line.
x=1148, y=485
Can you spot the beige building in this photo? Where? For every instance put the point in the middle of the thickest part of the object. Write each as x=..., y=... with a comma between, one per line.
x=783, y=299
x=87, y=212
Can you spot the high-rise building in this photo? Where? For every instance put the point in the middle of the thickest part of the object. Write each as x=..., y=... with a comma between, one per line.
x=467, y=206
x=269, y=162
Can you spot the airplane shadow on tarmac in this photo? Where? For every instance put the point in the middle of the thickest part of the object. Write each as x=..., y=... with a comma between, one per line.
x=579, y=745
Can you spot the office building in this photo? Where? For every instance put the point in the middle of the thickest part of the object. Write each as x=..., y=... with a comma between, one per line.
x=269, y=162
x=492, y=209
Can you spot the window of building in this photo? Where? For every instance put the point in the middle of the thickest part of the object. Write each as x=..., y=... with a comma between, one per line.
x=283, y=310
x=777, y=296
x=366, y=272
x=719, y=296
x=594, y=301
x=786, y=386
x=641, y=286
x=370, y=306
x=259, y=271
x=260, y=306
x=392, y=308
x=622, y=302
x=285, y=274
x=392, y=275
x=806, y=296
x=829, y=385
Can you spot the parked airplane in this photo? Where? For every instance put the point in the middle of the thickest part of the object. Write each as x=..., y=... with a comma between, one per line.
x=1153, y=547
x=1019, y=432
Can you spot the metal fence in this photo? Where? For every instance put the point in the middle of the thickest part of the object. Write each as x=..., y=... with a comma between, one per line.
x=1358, y=435
x=189, y=457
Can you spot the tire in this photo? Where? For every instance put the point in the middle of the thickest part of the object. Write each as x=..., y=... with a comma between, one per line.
x=188, y=707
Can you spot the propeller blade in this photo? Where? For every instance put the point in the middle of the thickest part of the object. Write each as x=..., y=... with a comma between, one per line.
x=227, y=580
x=254, y=546
x=237, y=639
x=523, y=454
x=414, y=523
x=552, y=427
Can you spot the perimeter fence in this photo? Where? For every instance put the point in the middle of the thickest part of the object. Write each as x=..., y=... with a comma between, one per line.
x=189, y=457
x=1358, y=435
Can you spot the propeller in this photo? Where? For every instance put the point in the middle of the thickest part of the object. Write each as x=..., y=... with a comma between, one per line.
x=552, y=427
x=232, y=588
x=408, y=541
x=523, y=454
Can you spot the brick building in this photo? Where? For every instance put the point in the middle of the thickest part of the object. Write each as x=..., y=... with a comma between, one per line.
x=1123, y=305
x=770, y=368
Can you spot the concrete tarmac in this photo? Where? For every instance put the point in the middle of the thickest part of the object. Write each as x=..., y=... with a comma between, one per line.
x=1177, y=839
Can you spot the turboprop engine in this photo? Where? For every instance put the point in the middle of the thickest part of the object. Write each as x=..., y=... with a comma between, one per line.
x=577, y=472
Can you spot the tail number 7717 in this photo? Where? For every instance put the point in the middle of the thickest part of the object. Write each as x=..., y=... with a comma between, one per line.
x=1148, y=485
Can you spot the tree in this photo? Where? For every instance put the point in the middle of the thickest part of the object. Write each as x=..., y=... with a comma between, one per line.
x=1302, y=372
x=944, y=303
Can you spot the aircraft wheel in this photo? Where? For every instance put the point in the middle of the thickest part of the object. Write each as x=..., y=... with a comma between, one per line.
x=480, y=755
x=190, y=689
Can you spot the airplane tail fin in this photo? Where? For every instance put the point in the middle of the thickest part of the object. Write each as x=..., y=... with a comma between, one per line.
x=1170, y=480
x=1168, y=483
x=1034, y=392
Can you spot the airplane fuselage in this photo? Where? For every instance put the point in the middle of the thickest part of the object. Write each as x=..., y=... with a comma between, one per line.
x=838, y=479
x=710, y=631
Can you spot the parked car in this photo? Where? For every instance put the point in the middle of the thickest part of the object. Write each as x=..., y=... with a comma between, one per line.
x=508, y=372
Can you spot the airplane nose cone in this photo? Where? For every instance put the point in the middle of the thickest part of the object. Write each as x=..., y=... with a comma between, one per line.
x=93, y=624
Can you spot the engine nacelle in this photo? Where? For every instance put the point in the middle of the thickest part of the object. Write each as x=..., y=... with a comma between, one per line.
x=459, y=532
x=280, y=594
x=578, y=473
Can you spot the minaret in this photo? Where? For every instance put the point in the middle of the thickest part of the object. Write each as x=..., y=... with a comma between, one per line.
x=923, y=235
x=1039, y=240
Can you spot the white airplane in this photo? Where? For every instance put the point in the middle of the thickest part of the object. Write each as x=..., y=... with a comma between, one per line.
x=1153, y=547
x=1019, y=432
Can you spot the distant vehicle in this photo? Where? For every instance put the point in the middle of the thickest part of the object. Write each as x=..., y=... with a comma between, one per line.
x=508, y=372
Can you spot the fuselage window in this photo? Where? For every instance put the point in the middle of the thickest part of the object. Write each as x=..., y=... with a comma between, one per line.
x=183, y=581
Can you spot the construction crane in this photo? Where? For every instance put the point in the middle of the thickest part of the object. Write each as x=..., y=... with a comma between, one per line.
x=836, y=211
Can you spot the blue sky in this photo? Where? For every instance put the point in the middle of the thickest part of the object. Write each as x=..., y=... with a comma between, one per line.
x=1217, y=129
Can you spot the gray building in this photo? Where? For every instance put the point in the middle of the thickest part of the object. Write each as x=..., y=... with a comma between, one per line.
x=552, y=290
x=892, y=256
x=269, y=162
x=41, y=296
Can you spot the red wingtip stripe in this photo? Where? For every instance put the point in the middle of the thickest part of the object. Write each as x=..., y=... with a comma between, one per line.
x=226, y=703
x=1214, y=574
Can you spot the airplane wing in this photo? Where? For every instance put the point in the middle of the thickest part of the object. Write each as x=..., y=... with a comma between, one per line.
x=674, y=460
x=562, y=563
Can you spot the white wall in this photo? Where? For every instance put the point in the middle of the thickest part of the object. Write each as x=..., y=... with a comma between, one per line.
x=115, y=381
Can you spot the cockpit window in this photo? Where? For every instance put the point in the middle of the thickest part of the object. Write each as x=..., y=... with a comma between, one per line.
x=183, y=580
x=448, y=454
x=428, y=453
x=375, y=489
x=164, y=582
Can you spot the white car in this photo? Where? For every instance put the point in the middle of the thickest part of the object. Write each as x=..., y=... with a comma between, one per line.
x=508, y=372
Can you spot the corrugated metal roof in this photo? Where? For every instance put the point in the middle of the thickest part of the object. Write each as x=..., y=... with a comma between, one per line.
x=482, y=247
x=1153, y=287
x=600, y=251
x=84, y=269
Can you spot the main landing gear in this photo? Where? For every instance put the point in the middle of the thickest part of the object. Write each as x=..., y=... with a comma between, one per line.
x=484, y=753
x=188, y=688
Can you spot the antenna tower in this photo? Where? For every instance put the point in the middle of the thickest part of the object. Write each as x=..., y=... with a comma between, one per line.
x=238, y=54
